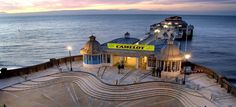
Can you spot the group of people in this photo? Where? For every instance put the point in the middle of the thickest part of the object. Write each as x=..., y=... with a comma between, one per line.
x=156, y=72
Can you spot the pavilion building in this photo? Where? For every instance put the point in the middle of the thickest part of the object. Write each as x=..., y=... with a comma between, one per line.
x=163, y=54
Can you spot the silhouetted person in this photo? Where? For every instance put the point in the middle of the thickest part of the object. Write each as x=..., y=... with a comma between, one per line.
x=160, y=73
x=119, y=67
x=156, y=72
x=153, y=72
x=4, y=105
x=122, y=66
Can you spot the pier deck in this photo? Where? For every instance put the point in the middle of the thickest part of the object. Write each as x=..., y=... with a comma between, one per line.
x=51, y=87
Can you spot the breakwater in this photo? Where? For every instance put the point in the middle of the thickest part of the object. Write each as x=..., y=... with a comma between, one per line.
x=196, y=68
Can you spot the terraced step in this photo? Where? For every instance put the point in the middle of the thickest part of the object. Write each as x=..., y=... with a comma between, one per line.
x=98, y=89
x=93, y=81
x=134, y=95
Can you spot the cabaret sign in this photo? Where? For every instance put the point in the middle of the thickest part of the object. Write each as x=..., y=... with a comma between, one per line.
x=131, y=47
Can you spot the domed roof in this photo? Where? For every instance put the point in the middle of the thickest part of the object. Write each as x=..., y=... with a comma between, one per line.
x=91, y=47
x=170, y=52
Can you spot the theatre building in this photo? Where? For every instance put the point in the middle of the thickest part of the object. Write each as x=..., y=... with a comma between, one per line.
x=161, y=54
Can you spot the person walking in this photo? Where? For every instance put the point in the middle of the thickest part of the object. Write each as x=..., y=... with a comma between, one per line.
x=153, y=72
x=119, y=67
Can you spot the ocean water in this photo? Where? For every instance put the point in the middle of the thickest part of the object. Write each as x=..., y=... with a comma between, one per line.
x=29, y=40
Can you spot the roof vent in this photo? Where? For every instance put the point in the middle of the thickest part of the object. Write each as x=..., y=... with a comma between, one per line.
x=127, y=35
x=92, y=38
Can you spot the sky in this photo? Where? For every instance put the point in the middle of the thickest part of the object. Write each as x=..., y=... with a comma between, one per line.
x=25, y=6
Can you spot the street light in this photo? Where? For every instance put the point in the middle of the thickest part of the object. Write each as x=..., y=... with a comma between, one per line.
x=186, y=57
x=69, y=48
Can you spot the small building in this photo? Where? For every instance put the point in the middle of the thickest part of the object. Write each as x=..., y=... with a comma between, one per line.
x=160, y=54
x=92, y=53
x=175, y=25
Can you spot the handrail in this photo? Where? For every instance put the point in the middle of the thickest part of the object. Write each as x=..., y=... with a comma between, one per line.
x=103, y=71
x=144, y=76
x=98, y=71
x=125, y=76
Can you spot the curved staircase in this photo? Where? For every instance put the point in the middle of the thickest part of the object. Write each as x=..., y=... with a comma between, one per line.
x=92, y=86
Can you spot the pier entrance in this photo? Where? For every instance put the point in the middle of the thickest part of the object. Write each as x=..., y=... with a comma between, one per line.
x=130, y=61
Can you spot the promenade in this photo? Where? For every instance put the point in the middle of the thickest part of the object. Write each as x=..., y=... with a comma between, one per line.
x=58, y=86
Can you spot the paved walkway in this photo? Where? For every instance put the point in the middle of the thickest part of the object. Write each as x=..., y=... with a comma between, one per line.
x=199, y=82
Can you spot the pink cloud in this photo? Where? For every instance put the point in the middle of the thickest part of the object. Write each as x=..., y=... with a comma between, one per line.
x=70, y=4
x=7, y=6
x=80, y=3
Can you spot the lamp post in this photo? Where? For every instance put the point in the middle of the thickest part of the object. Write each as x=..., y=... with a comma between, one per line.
x=186, y=56
x=69, y=48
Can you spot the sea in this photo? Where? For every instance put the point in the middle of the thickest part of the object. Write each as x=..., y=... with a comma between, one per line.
x=30, y=40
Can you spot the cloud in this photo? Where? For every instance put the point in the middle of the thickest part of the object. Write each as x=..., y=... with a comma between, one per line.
x=193, y=1
x=48, y=5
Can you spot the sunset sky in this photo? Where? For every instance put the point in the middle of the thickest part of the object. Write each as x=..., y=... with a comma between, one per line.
x=22, y=6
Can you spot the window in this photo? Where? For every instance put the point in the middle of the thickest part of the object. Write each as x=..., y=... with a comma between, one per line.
x=101, y=58
x=95, y=59
x=85, y=59
x=89, y=59
x=151, y=62
x=108, y=58
x=104, y=58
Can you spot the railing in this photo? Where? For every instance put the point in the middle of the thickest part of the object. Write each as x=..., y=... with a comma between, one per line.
x=98, y=71
x=144, y=76
x=125, y=76
x=104, y=71
x=38, y=67
x=221, y=79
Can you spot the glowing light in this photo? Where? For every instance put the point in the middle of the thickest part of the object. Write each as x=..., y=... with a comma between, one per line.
x=187, y=56
x=165, y=26
x=157, y=31
x=69, y=48
x=169, y=23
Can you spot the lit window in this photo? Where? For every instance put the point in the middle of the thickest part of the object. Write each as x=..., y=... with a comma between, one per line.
x=165, y=26
x=157, y=31
x=151, y=62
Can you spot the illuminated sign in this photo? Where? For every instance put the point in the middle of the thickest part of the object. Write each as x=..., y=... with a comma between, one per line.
x=131, y=47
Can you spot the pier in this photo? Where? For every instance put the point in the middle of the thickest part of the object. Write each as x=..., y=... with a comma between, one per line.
x=52, y=70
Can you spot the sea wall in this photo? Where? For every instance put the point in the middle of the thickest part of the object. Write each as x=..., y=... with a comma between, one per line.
x=220, y=79
x=39, y=67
